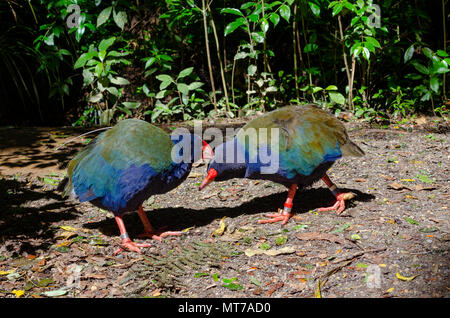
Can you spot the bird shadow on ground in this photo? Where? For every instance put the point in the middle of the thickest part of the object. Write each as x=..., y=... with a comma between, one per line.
x=177, y=219
x=24, y=217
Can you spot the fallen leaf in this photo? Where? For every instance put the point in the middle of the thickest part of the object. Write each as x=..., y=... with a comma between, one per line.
x=420, y=187
x=317, y=293
x=398, y=186
x=411, y=221
x=390, y=290
x=360, y=180
x=18, y=293
x=187, y=229
x=274, y=289
x=221, y=229
x=55, y=293
x=7, y=272
x=404, y=278
x=355, y=237
x=341, y=228
x=273, y=252
x=68, y=228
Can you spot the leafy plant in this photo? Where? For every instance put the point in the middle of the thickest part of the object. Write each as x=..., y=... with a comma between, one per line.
x=185, y=92
x=437, y=63
x=99, y=74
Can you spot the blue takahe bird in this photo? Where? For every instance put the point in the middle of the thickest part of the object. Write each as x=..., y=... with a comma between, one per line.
x=127, y=164
x=293, y=146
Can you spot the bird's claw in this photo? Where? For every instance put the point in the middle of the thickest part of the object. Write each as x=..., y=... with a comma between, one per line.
x=339, y=205
x=130, y=245
x=158, y=235
x=277, y=217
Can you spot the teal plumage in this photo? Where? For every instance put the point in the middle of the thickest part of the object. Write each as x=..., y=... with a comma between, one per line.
x=309, y=141
x=125, y=165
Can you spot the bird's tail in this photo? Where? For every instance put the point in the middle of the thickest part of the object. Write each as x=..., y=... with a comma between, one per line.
x=351, y=149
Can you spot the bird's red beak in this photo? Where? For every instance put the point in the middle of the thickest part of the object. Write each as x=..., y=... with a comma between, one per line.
x=207, y=152
x=212, y=174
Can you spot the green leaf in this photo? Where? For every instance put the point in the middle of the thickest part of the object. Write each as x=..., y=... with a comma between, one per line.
x=341, y=228
x=274, y=18
x=131, y=105
x=88, y=77
x=264, y=25
x=232, y=11
x=424, y=178
x=164, y=78
x=183, y=88
x=113, y=90
x=411, y=221
x=285, y=12
x=234, y=25
x=55, y=293
x=428, y=52
x=125, y=110
x=258, y=37
x=196, y=275
x=314, y=8
x=254, y=281
x=195, y=85
x=373, y=41
x=337, y=8
x=96, y=98
x=105, y=44
x=240, y=55
x=120, y=18
x=160, y=94
x=331, y=88
x=366, y=53
x=281, y=240
x=428, y=229
x=185, y=72
x=103, y=16
x=441, y=53
x=119, y=80
x=408, y=53
x=337, y=97
x=422, y=69
x=81, y=61
x=251, y=70
x=434, y=84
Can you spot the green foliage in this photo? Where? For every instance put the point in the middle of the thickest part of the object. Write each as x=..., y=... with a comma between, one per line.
x=149, y=59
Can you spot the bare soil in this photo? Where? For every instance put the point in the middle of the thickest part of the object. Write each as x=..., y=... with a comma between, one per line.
x=391, y=241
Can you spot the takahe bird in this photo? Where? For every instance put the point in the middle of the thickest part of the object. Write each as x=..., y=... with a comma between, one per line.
x=127, y=164
x=296, y=145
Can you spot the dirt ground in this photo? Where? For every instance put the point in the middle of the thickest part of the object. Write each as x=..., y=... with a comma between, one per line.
x=391, y=241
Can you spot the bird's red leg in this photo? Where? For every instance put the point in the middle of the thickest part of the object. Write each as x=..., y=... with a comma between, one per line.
x=149, y=231
x=285, y=214
x=339, y=206
x=126, y=241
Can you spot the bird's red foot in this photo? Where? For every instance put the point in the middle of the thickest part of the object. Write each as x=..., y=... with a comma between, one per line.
x=159, y=235
x=282, y=215
x=130, y=245
x=339, y=206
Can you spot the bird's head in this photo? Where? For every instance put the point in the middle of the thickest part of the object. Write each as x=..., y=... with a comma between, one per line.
x=222, y=166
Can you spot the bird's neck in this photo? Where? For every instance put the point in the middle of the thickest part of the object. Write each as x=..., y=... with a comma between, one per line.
x=233, y=164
